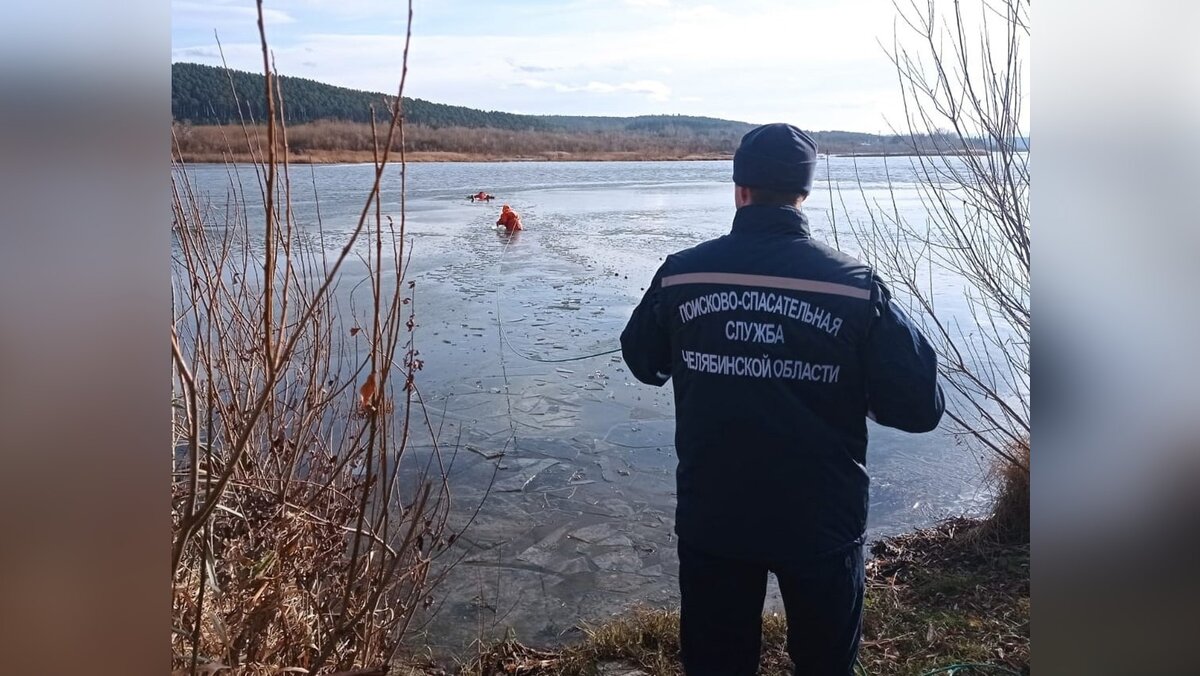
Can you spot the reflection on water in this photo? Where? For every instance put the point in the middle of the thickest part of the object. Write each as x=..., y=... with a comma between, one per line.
x=578, y=522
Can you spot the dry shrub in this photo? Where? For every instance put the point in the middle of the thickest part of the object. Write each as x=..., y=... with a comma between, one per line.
x=302, y=538
x=267, y=574
x=298, y=541
x=325, y=137
x=1008, y=522
x=963, y=86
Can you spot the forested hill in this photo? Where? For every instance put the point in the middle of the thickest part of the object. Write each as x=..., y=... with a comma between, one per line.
x=202, y=95
x=336, y=120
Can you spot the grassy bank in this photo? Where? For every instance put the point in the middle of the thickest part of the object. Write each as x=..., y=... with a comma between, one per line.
x=330, y=142
x=935, y=597
x=333, y=141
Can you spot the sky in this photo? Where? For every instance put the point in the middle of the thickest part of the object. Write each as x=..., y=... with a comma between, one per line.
x=818, y=64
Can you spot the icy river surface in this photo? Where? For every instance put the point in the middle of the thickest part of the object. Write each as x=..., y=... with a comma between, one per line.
x=578, y=523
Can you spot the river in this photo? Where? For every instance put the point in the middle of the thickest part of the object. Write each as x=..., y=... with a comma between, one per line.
x=579, y=522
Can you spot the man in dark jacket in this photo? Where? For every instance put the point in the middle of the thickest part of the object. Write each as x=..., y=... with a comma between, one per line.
x=780, y=348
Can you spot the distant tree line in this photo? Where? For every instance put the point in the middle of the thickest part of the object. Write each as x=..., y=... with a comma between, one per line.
x=329, y=135
x=325, y=117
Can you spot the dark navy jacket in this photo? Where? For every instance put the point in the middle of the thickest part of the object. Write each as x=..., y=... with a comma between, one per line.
x=779, y=347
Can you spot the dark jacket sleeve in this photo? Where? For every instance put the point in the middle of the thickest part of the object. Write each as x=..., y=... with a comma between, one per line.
x=901, y=369
x=645, y=342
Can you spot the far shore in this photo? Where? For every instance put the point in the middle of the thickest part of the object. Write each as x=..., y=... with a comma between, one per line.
x=367, y=157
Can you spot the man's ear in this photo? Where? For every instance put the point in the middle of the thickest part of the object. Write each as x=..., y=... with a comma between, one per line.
x=741, y=196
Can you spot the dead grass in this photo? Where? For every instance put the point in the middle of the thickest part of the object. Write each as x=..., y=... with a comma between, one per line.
x=330, y=141
x=1009, y=520
x=935, y=597
x=365, y=156
x=943, y=595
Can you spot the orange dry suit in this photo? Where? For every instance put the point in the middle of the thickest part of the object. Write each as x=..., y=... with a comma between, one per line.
x=509, y=219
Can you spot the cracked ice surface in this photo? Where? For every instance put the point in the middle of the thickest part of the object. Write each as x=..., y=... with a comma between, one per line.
x=576, y=459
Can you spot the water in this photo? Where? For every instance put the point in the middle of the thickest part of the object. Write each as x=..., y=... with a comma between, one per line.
x=579, y=522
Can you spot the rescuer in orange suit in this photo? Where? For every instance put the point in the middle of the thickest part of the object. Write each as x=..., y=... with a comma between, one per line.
x=509, y=219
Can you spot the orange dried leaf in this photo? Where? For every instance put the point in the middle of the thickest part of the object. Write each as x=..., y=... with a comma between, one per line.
x=366, y=393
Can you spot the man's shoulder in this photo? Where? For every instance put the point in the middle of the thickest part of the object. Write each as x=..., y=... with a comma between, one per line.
x=840, y=260
x=701, y=254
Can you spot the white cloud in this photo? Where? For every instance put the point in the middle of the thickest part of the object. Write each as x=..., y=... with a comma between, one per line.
x=655, y=90
x=195, y=53
x=538, y=84
x=531, y=68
